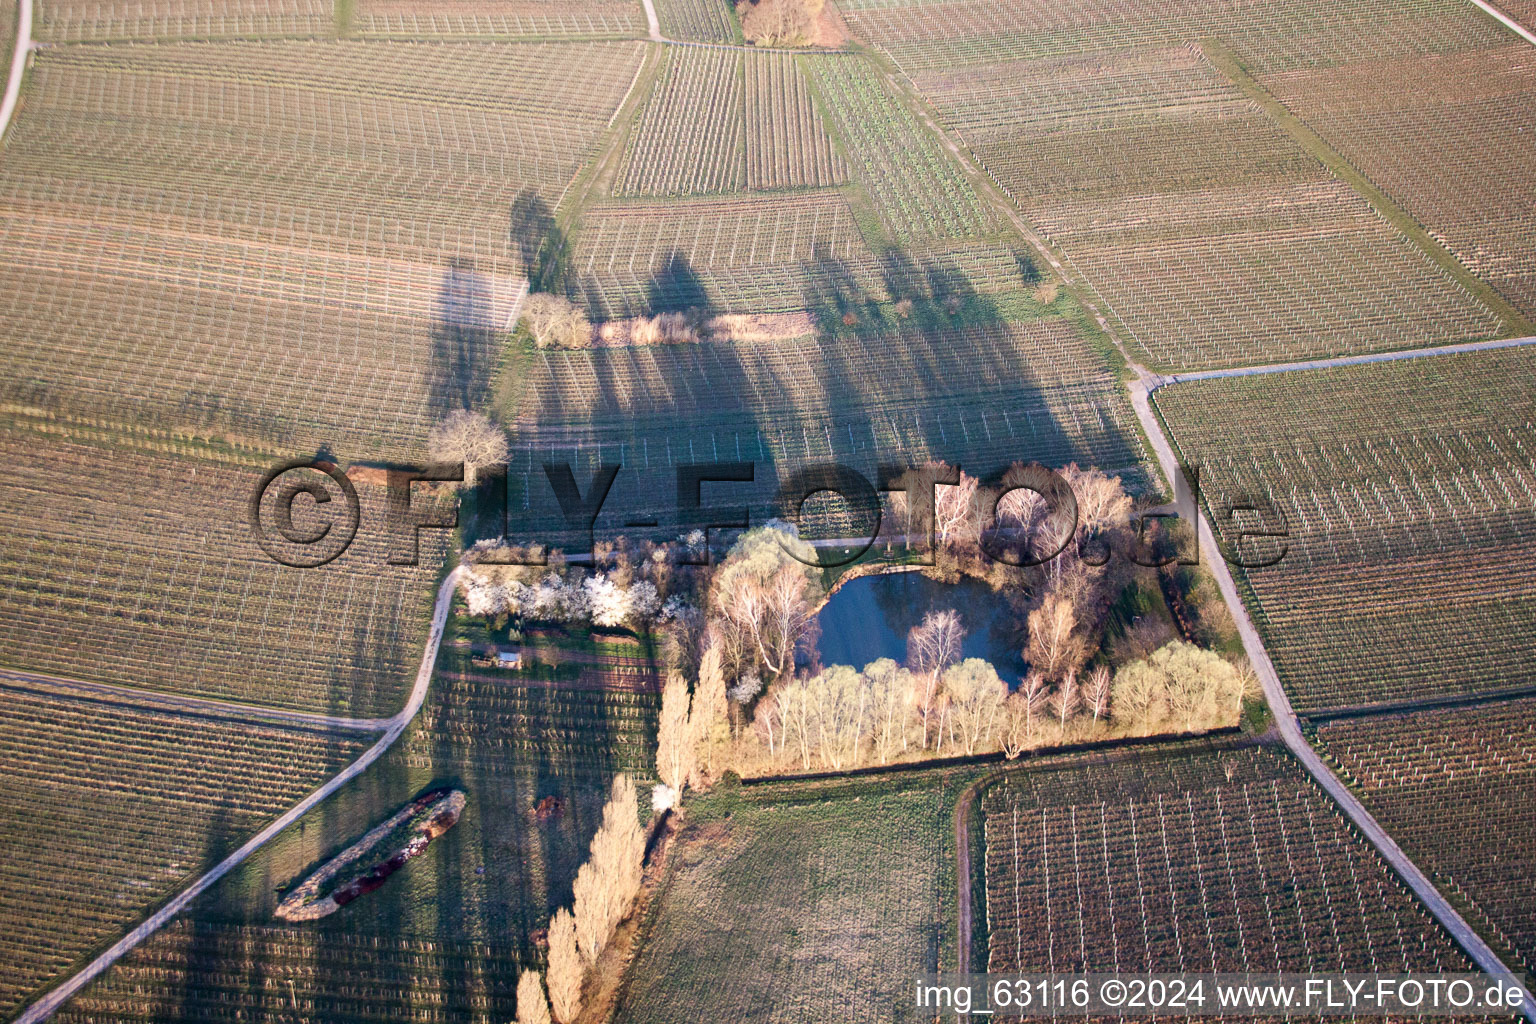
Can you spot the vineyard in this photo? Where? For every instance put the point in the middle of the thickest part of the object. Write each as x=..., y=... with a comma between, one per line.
x=446, y=938
x=108, y=811
x=1450, y=137
x=917, y=190
x=1271, y=35
x=540, y=19
x=1454, y=787
x=701, y=21
x=690, y=139
x=1226, y=241
x=723, y=120
x=787, y=141
x=1523, y=11
x=846, y=891
x=1270, y=876
x=271, y=238
x=1408, y=517
x=62, y=21
x=135, y=564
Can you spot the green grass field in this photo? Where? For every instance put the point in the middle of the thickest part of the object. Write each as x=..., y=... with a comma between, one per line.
x=794, y=902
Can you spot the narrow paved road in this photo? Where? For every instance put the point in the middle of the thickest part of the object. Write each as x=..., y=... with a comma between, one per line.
x=174, y=703
x=19, y=64
x=45, y=1007
x=654, y=23
x=1290, y=728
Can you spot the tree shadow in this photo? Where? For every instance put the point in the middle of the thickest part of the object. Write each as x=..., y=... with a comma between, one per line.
x=462, y=339
x=675, y=287
x=537, y=241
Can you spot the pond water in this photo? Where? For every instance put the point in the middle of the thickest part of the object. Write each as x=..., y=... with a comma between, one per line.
x=870, y=617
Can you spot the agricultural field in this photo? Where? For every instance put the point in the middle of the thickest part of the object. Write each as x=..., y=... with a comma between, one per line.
x=1454, y=788
x=1405, y=490
x=981, y=396
x=130, y=560
x=787, y=141
x=755, y=254
x=1229, y=239
x=446, y=936
x=691, y=138
x=1222, y=859
x=700, y=21
x=917, y=190
x=723, y=121
x=520, y=19
x=791, y=903
x=1271, y=35
x=109, y=810
x=1523, y=11
x=271, y=239
x=66, y=21
x=1452, y=137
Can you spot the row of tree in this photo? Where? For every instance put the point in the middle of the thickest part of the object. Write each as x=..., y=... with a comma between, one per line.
x=553, y=321
x=842, y=718
x=599, y=599
x=604, y=894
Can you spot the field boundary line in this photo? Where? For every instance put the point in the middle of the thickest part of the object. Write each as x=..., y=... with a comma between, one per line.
x=1504, y=19
x=19, y=64
x=1289, y=726
x=159, y=701
x=1361, y=360
x=45, y=1007
x=1419, y=705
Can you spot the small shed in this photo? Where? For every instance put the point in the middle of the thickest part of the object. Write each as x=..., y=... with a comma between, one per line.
x=509, y=659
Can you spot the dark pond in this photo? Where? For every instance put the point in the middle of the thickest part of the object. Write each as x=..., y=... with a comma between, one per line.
x=870, y=617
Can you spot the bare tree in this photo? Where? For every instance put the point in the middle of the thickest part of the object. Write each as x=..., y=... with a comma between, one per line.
x=556, y=322
x=769, y=720
x=1036, y=695
x=1017, y=724
x=709, y=718
x=566, y=969
x=674, y=739
x=779, y=22
x=796, y=703
x=976, y=696
x=891, y=705
x=1067, y=700
x=532, y=1007
x=763, y=596
x=954, y=511
x=1054, y=645
x=1102, y=504
x=606, y=885
x=470, y=438
x=1097, y=692
x=839, y=702
x=932, y=646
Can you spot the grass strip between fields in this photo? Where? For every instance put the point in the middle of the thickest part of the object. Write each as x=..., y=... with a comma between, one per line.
x=1225, y=61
